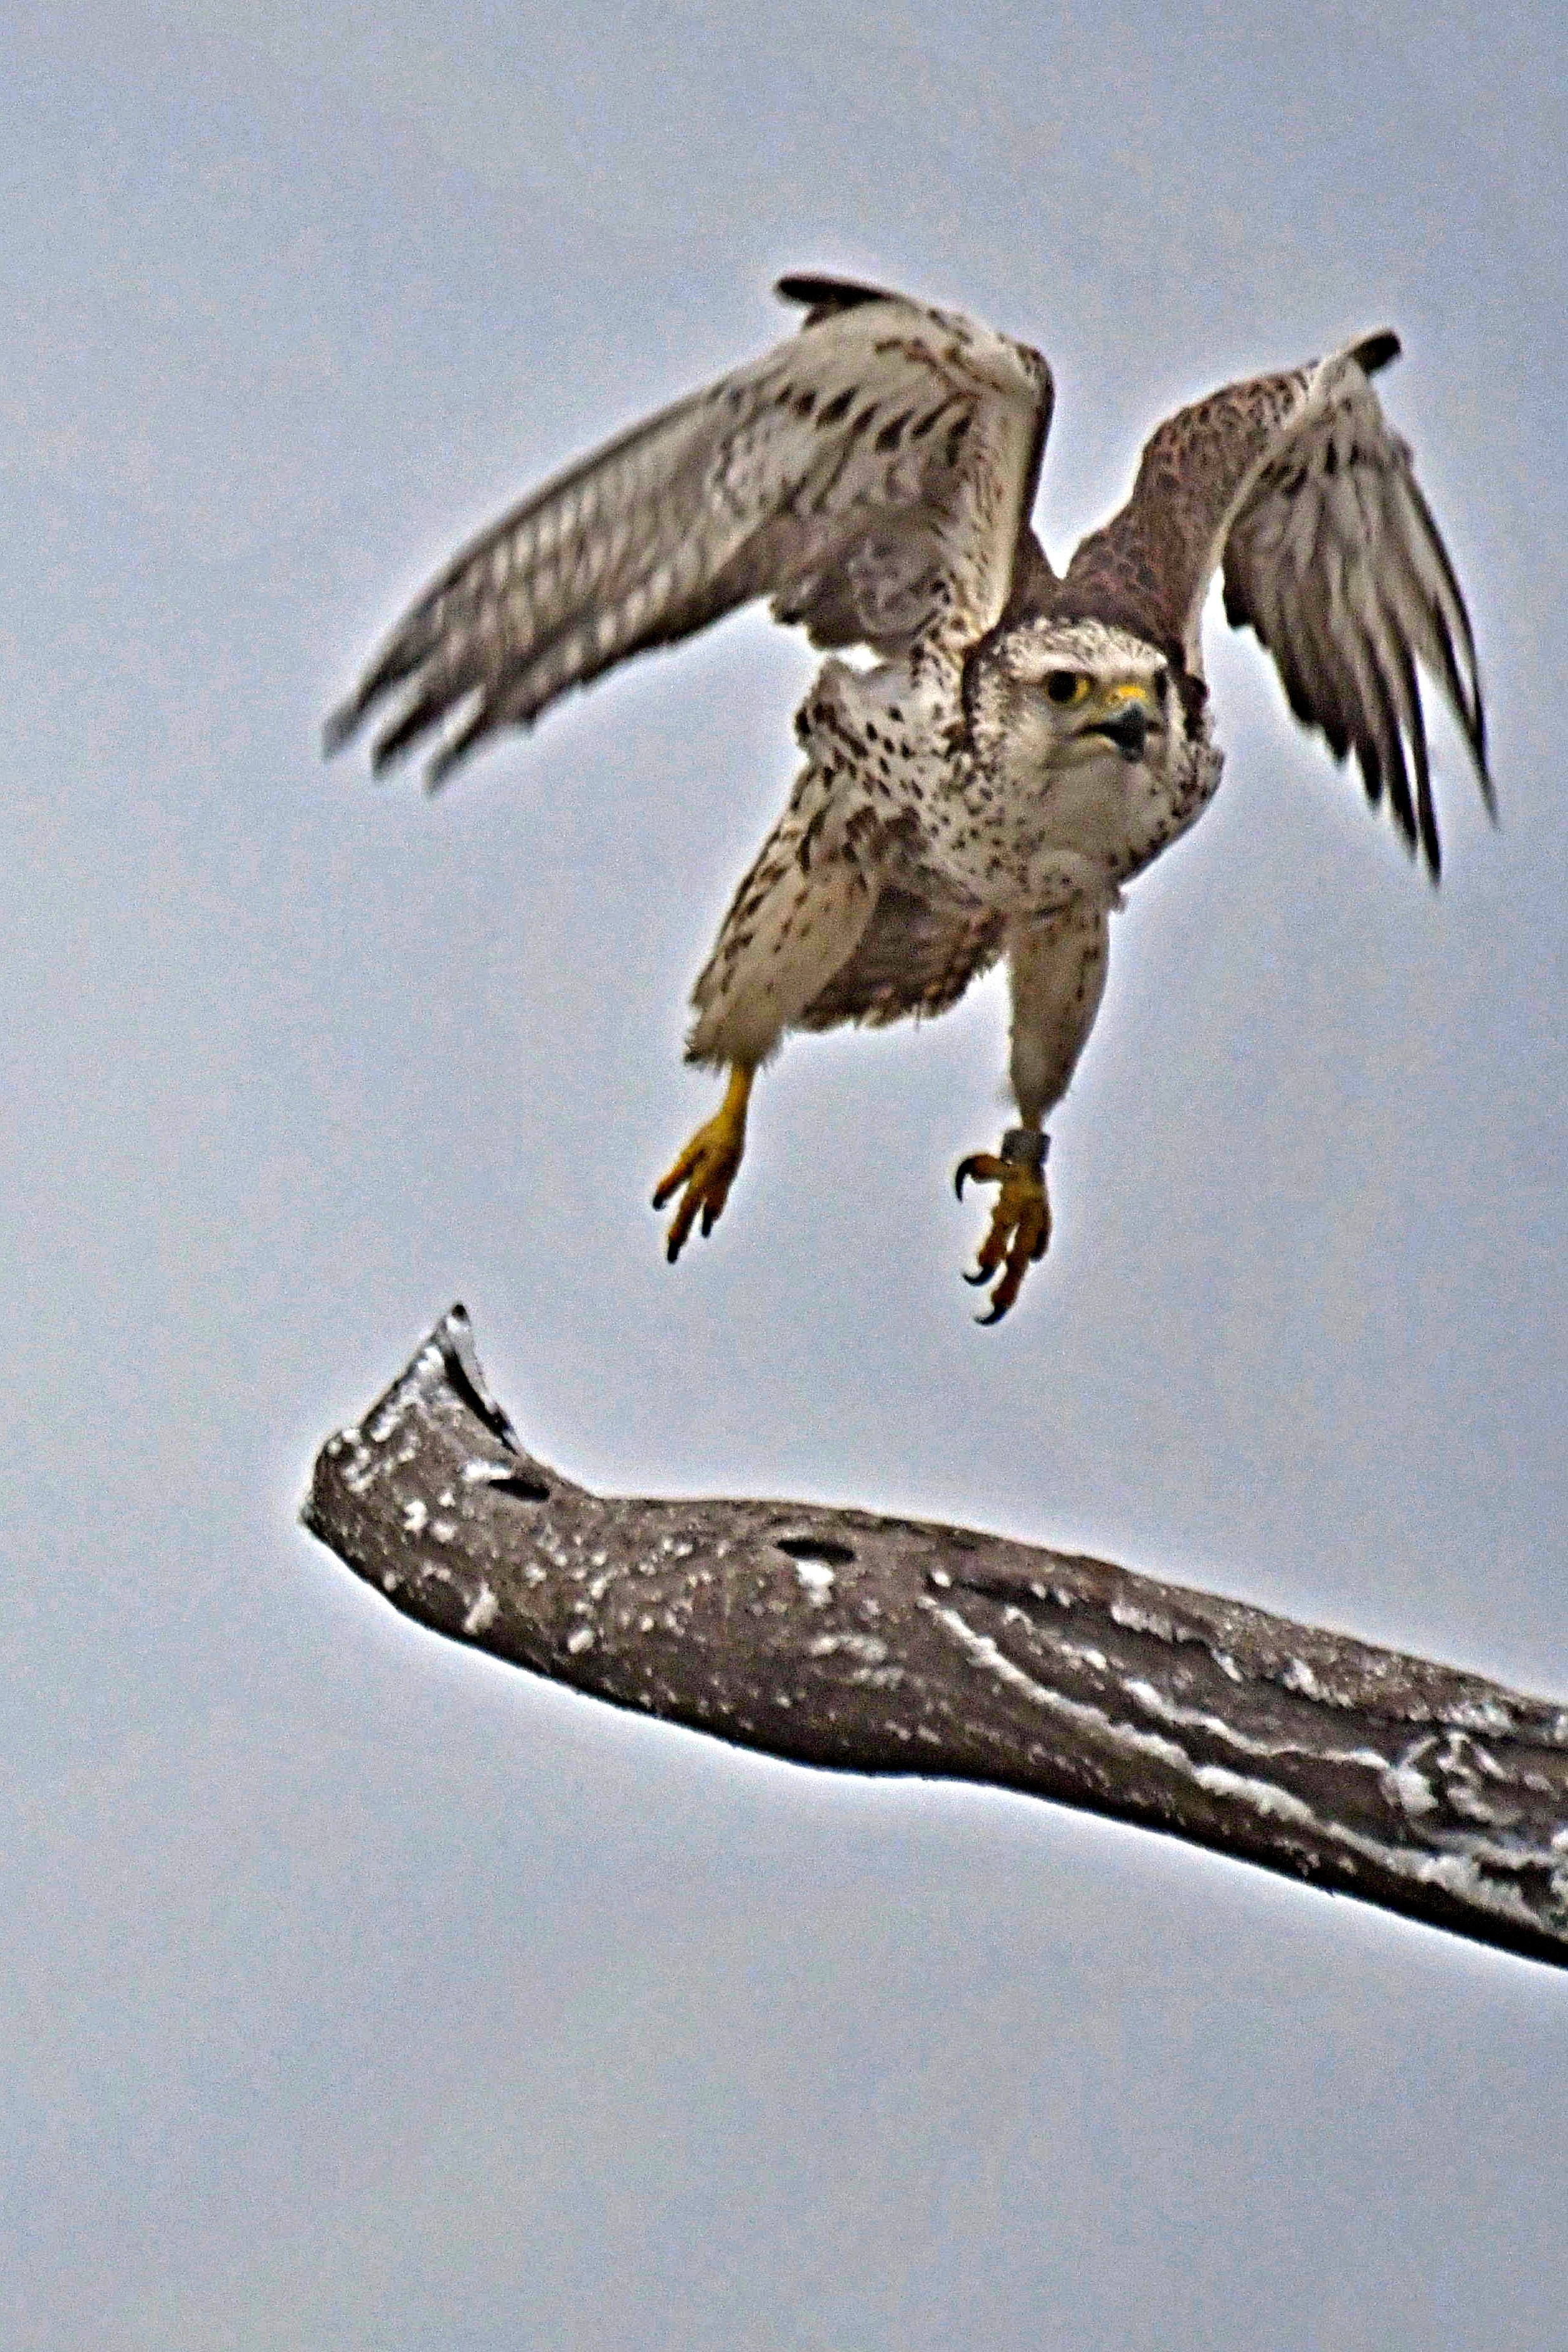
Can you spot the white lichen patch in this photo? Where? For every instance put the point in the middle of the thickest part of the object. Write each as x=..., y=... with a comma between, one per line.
x=1461, y=1875
x=443, y=1530
x=388, y=1419
x=817, y=1581
x=1482, y=1715
x=582, y=1639
x=1560, y=1872
x=1153, y=1701
x=483, y=1611
x=414, y=1516
x=983, y=1652
x=362, y=1467
x=1259, y=1796
x=1142, y=1621
x=865, y=1647
x=1410, y=1790
x=1081, y=1654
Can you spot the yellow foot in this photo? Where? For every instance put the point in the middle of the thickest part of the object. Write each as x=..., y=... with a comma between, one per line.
x=707, y=1166
x=1020, y=1221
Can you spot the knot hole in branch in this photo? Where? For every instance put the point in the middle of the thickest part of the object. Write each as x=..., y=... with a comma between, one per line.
x=520, y=1486
x=820, y=1549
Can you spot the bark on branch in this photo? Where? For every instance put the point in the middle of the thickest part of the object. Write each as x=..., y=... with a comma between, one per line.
x=887, y=1645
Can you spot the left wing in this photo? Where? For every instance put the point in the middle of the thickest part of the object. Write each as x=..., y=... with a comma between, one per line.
x=1298, y=487
x=872, y=476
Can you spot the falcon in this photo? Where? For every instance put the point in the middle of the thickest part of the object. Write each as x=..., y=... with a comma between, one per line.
x=1013, y=746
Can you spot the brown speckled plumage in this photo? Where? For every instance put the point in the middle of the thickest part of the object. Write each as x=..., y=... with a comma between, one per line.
x=1023, y=744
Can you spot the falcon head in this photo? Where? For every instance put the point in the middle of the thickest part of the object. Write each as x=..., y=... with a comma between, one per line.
x=1052, y=698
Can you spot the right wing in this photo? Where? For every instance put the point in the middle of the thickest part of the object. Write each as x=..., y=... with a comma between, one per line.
x=1299, y=488
x=1334, y=559
x=872, y=476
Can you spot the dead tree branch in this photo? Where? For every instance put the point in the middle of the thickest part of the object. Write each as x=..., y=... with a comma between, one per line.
x=887, y=1645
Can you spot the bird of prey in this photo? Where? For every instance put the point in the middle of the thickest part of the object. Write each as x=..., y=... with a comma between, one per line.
x=1018, y=745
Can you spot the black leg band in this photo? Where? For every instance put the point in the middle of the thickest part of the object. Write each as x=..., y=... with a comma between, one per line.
x=1023, y=1147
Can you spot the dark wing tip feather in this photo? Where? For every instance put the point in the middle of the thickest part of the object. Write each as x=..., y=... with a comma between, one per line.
x=419, y=715
x=1374, y=352
x=1483, y=776
x=341, y=726
x=1355, y=678
x=1473, y=718
x=823, y=298
x=396, y=662
x=438, y=767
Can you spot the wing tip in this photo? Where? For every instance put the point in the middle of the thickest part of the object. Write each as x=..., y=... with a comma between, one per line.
x=1374, y=352
x=341, y=726
x=824, y=298
x=1476, y=731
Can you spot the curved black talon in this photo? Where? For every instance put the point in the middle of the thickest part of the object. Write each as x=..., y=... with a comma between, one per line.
x=974, y=1280
x=964, y=1173
x=994, y=1317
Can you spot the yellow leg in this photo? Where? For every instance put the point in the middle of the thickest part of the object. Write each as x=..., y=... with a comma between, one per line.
x=707, y=1166
x=1020, y=1221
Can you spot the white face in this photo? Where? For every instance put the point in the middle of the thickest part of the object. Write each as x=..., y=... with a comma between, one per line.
x=1083, y=693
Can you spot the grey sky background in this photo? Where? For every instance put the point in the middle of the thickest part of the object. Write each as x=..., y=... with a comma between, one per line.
x=357, y=1993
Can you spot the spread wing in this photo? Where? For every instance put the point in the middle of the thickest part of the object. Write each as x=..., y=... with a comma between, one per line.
x=872, y=475
x=1298, y=487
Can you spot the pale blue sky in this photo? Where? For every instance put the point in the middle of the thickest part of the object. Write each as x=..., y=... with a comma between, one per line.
x=360, y=1994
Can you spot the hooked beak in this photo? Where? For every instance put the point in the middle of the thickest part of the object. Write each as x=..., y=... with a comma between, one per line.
x=1129, y=732
x=1129, y=728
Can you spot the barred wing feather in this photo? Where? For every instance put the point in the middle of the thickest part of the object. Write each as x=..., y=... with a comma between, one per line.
x=1334, y=558
x=1296, y=486
x=872, y=476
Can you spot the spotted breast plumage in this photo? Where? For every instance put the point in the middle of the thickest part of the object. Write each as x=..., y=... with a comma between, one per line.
x=1021, y=744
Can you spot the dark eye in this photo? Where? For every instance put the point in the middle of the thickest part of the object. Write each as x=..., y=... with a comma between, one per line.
x=1065, y=684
